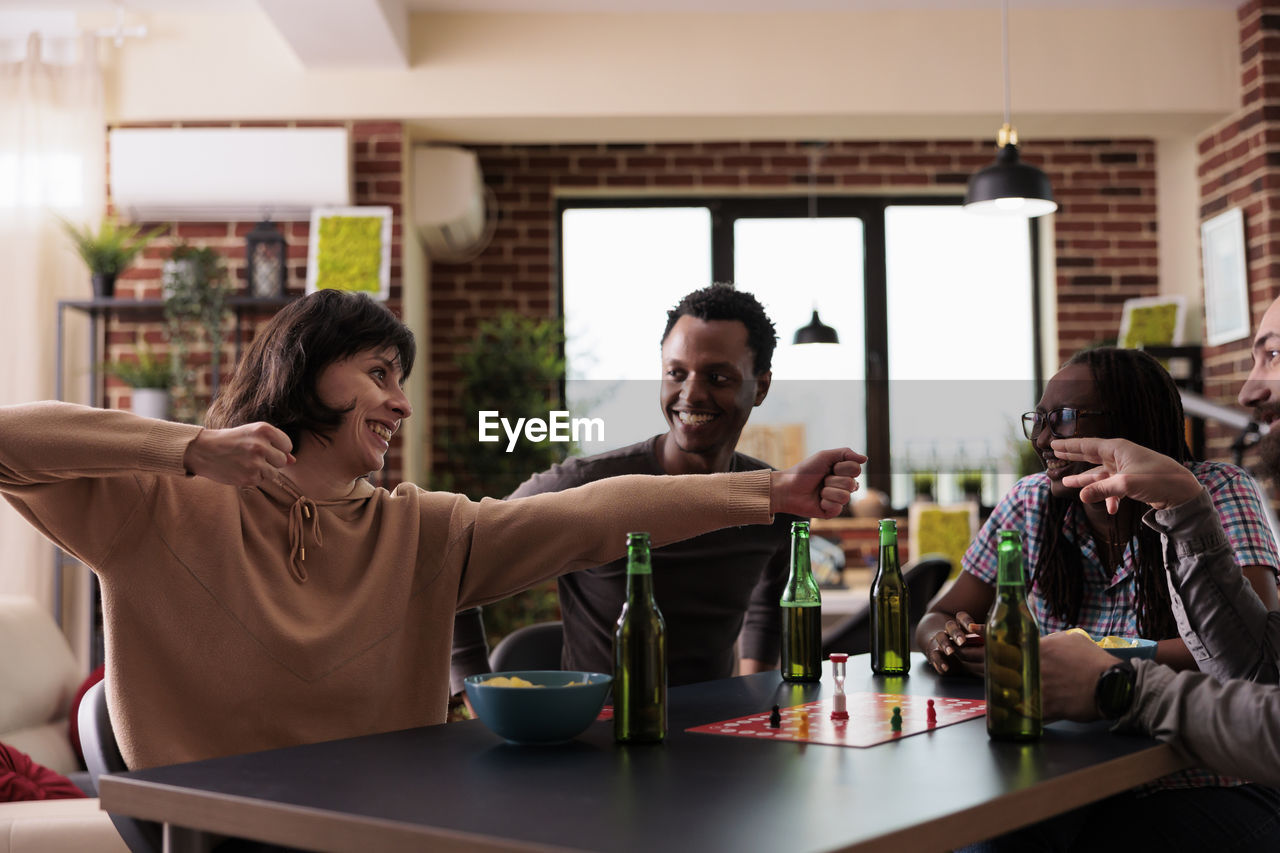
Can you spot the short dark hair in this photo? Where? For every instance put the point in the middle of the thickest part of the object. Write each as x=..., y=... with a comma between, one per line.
x=275, y=380
x=721, y=301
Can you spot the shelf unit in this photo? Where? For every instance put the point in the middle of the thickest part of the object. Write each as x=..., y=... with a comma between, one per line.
x=1186, y=365
x=99, y=311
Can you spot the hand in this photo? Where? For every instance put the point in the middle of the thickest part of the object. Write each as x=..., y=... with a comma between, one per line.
x=1070, y=665
x=239, y=456
x=959, y=643
x=819, y=487
x=1125, y=470
x=1005, y=684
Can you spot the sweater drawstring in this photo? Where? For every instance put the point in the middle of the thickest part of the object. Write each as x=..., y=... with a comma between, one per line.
x=303, y=509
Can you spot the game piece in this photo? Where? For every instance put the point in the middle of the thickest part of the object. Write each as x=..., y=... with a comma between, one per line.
x=895, y=722
x=930, y=714
x=840, y=710
x=866, y=727
x=775, y=718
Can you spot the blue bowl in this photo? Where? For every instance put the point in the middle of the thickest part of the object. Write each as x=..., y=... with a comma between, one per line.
x=1144, y=649
x=549, y=713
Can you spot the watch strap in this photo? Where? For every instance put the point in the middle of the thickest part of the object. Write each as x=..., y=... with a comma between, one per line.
x=1114, y=692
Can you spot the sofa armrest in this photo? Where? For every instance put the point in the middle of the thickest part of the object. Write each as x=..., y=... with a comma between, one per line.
x=57, y=826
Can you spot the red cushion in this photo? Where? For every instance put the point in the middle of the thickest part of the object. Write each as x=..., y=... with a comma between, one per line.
x=74, y=723
x=23, y=779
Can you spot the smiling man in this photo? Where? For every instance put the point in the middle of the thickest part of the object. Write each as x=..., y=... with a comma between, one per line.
x=1261, y=391
x=717, y=350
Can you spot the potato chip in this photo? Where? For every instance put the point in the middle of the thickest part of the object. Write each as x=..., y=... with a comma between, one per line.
x=1114, y=642
x=509, y=681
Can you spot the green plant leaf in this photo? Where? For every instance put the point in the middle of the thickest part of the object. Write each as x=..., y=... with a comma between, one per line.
x=113, y=247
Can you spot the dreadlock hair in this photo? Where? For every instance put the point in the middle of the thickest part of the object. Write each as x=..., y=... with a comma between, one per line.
x=1144, y=406
x=721, y=301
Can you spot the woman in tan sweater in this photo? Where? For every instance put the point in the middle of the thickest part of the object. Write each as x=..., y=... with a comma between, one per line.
x=259, y=592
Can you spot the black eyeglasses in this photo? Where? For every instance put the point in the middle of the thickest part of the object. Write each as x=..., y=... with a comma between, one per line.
x=1062, y=422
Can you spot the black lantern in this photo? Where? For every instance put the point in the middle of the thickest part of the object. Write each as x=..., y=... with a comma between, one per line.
x=266, y=259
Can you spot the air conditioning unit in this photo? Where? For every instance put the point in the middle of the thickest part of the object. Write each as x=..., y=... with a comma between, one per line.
x=221, y=174
x=449, y=202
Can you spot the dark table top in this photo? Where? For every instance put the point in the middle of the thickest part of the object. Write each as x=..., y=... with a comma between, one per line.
x=459, y=784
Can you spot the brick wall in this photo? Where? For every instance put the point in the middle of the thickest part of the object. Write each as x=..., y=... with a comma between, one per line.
x=377, y=157
x=1239, y=166
x=1106, y=225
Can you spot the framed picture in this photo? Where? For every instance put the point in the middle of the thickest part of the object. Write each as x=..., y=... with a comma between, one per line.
x=1153, y=321
x=1226, y=278
x=350, y=249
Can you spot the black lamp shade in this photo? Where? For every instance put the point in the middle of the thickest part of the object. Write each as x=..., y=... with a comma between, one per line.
x=816, y=332
x=1010, y=187
x=266, y=261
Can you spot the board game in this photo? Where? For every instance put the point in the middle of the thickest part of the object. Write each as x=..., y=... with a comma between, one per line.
x=868, y=724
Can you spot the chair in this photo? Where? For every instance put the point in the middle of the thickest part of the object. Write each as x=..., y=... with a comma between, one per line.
x=531, y=647
x=102, y=756
x=924, y=577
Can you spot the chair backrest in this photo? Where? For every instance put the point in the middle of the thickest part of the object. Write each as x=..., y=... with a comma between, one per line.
x=924, y=577
x=531, y=647
x=102, y=756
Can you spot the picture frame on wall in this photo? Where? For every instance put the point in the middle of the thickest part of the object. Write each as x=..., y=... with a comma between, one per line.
x=1226, y=278
x=1153, y=321
x=350, y=249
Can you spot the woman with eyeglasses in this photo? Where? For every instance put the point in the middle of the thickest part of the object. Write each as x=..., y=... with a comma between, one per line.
x=1105, y=573
x=1087, y=568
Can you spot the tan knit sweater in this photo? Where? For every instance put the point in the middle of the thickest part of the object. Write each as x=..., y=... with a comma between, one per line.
x=252, y=618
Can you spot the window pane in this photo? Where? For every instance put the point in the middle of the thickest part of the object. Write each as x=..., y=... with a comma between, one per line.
x=795, y=266
x=623, y=269
x=961, y=363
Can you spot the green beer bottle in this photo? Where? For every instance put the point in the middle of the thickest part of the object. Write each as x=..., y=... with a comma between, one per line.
x=890, y=648
x=639, y=655
x=801, y=613
x=1012, y=651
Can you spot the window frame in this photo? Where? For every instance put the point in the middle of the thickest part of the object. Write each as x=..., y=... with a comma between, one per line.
x=726, y=210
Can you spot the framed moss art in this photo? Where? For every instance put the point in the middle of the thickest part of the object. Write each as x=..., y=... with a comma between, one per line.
x=350, y=249
x=1153, y=321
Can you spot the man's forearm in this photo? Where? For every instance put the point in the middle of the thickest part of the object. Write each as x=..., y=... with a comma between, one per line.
x=1230, y=727
x=1224, y=624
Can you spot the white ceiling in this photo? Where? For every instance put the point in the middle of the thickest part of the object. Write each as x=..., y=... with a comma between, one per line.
x=534, y=6
x=346, y=34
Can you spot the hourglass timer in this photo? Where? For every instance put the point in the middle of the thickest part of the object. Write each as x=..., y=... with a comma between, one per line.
x=838, y=661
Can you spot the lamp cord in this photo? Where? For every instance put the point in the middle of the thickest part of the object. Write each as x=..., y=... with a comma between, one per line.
x=1004, y=44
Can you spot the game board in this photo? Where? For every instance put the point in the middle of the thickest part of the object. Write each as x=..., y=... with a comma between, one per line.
x=868, y=723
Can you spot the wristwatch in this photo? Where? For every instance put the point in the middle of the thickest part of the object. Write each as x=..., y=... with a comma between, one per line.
x=1114, y=693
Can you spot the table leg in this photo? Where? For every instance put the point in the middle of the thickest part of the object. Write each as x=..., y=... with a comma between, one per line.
x=178, y=839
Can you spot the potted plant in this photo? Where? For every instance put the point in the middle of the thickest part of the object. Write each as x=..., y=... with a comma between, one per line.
x=922, y=485
x=109, y=251
x=195, y=302
x=970, y=481
x=150, y=377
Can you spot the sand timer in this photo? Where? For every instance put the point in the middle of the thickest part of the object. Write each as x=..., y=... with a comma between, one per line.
x=838, y=661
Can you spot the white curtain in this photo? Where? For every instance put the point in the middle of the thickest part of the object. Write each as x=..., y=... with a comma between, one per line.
x=52, y=163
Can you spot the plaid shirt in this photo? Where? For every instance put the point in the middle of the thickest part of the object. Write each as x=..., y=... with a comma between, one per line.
x=1108, y=606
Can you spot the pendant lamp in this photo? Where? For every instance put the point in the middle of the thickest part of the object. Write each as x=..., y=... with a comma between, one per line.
x=1009, y=187
x=816, y=332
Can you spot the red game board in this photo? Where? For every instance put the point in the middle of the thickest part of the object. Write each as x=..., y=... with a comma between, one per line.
x=868, y=723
